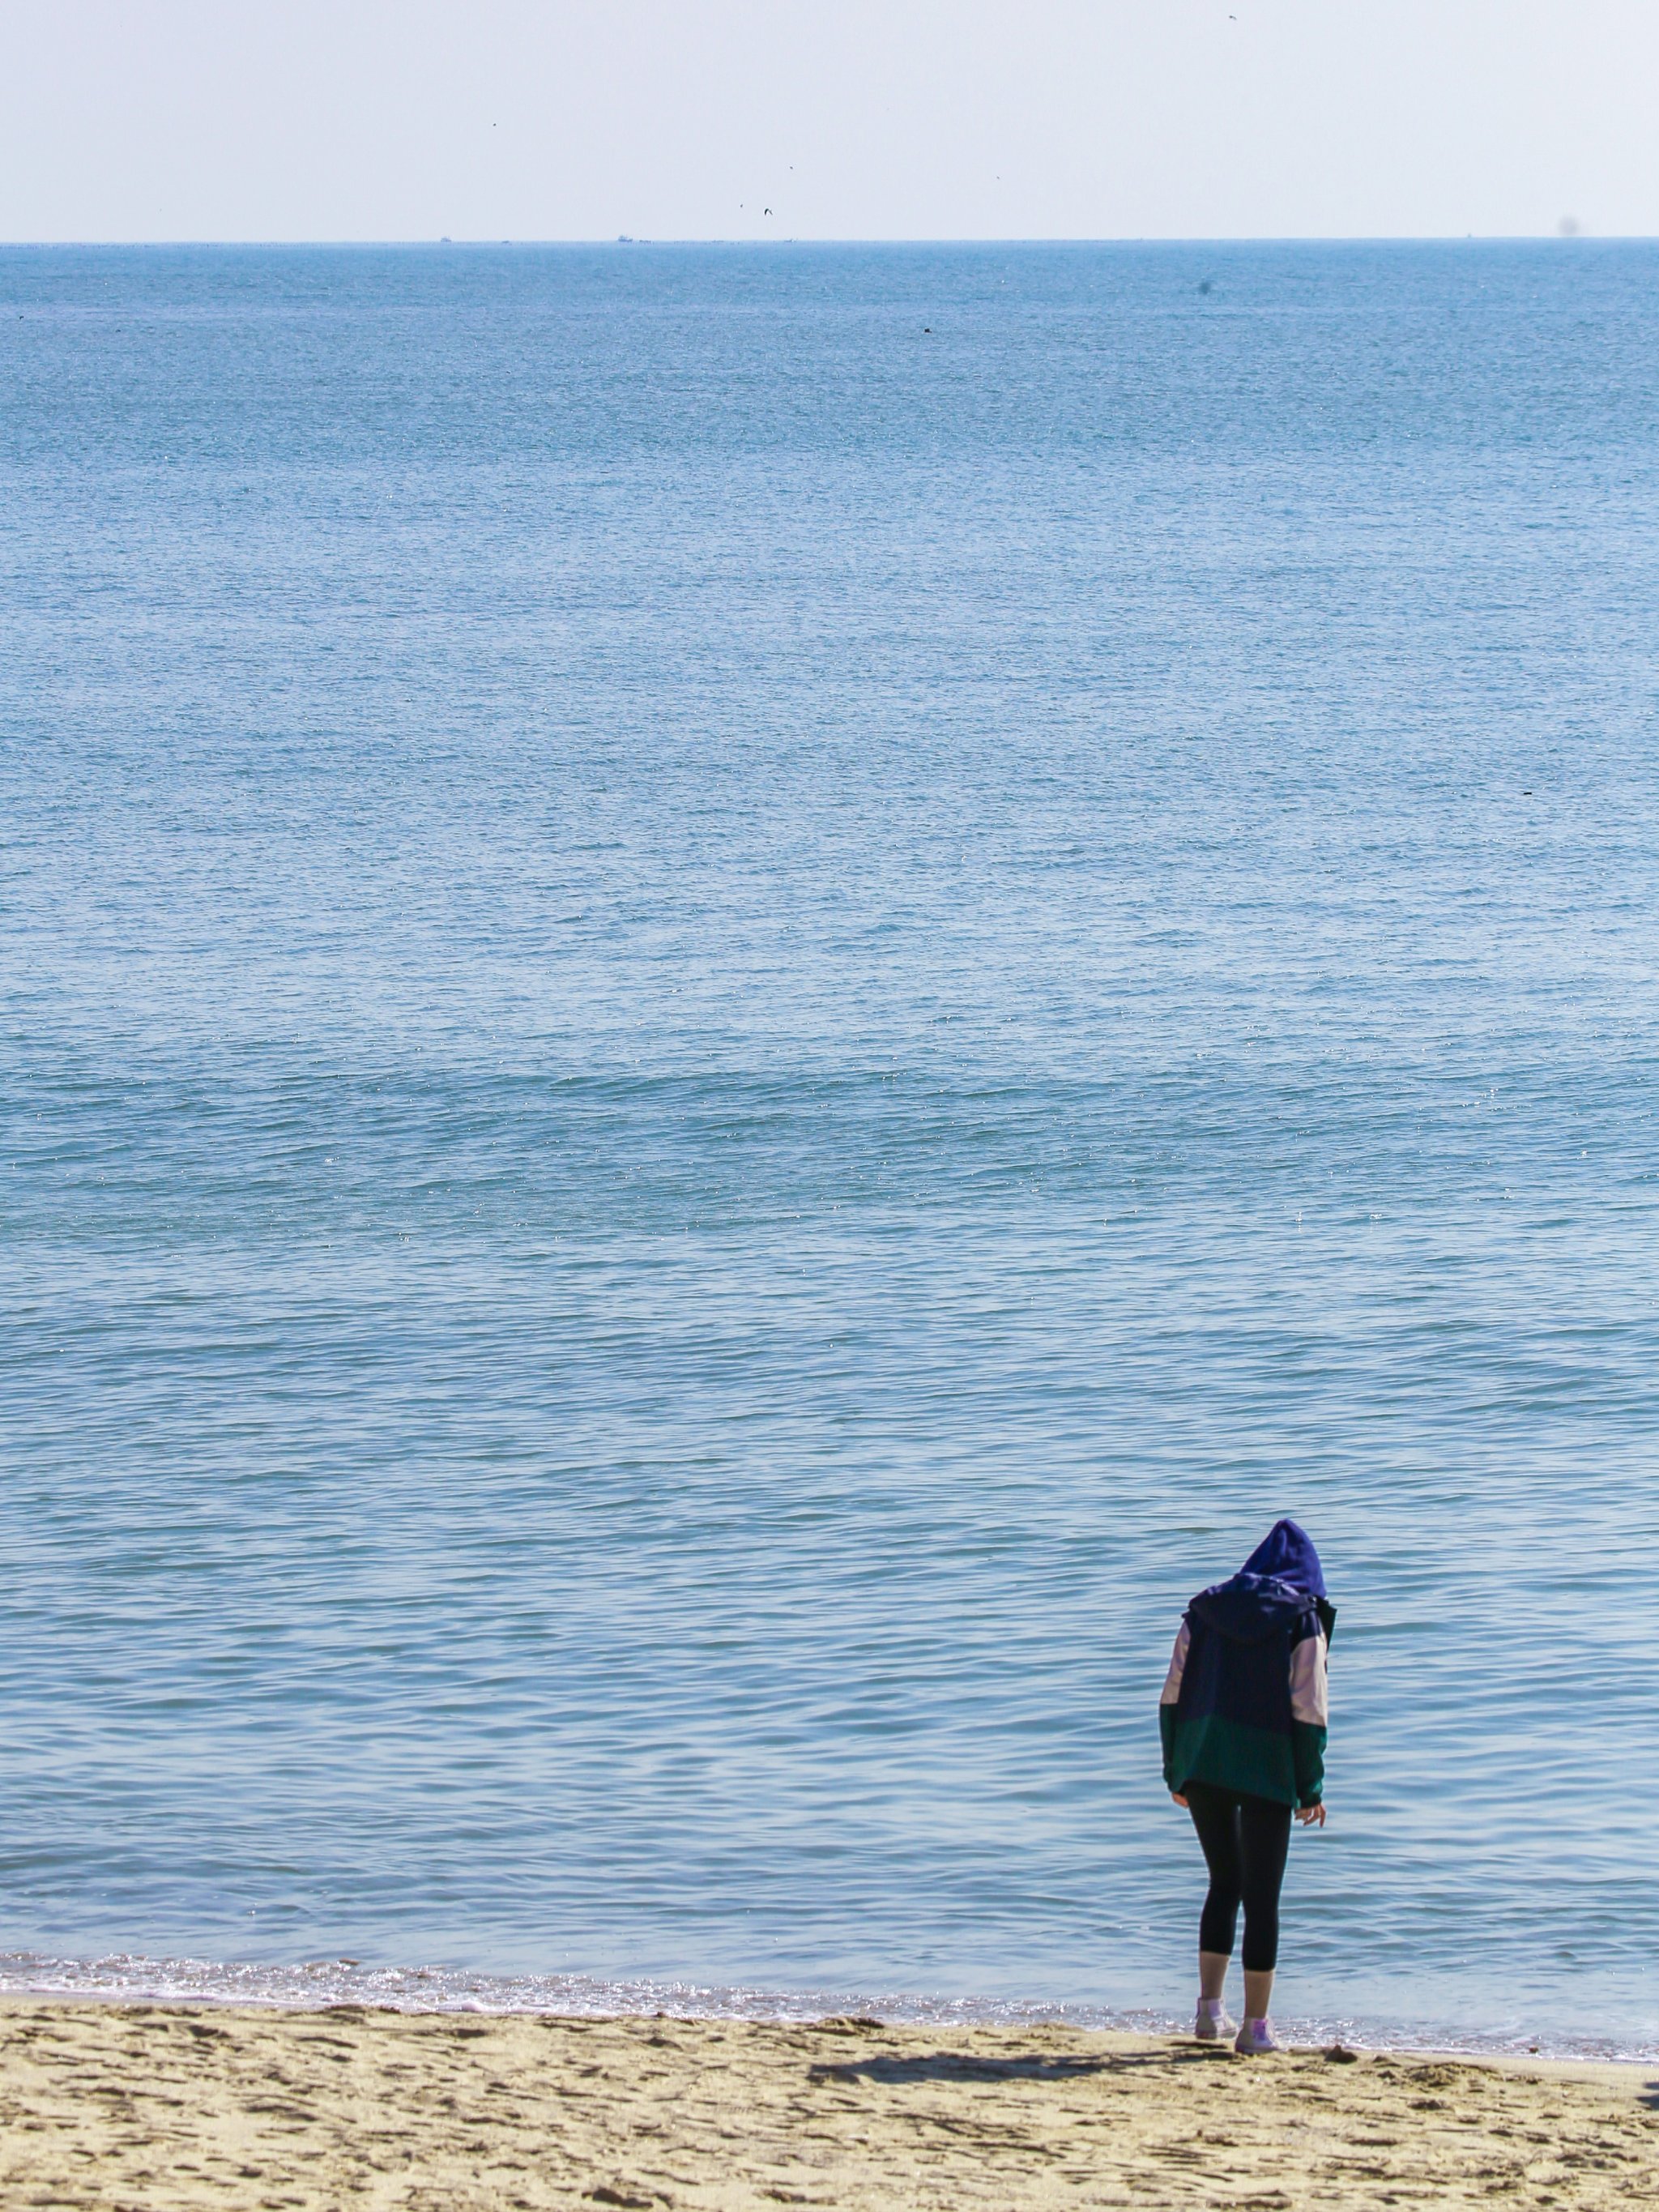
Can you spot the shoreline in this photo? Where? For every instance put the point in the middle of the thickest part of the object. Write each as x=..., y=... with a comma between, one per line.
x=315, y=1984
x=174, y=2105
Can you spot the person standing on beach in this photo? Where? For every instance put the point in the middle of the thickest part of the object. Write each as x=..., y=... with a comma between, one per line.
x=1244, y=1717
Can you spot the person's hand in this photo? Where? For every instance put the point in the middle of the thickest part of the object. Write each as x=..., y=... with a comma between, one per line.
x=1311, y=1816
x=1175, y=1798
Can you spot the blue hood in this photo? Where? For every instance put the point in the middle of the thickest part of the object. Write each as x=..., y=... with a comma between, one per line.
x=1286, y=1554
x=1278, y=1583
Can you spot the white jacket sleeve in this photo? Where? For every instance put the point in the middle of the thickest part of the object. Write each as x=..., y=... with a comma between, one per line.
x=1310, y=1682
x=1177, y=1666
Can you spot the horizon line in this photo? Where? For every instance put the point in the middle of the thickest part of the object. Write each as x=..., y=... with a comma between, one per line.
x=1558, y=237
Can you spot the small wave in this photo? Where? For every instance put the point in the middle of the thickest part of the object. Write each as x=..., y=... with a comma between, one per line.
x=314, y=1983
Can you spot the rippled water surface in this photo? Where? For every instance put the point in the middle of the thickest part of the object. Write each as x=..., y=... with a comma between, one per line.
x=746, y=992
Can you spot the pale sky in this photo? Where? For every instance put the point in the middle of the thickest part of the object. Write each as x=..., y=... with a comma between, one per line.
x=354, y=119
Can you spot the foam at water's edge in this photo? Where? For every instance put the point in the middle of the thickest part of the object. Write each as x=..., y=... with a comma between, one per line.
x=129, y=1977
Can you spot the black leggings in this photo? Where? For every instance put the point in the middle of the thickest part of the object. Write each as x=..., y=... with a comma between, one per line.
x=1245, y=1841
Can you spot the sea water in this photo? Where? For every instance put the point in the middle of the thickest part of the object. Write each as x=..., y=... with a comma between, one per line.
x=747, y=992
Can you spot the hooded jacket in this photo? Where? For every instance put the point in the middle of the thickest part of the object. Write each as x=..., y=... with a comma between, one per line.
x=1244, y=1704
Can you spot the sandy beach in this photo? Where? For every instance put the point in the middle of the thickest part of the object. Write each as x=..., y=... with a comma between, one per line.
x=130, y=2106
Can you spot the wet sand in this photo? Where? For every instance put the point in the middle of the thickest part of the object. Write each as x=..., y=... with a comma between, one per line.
x=130, y=2105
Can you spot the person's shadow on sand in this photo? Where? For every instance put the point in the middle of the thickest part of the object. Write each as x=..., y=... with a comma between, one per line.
x=1035, y=2066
